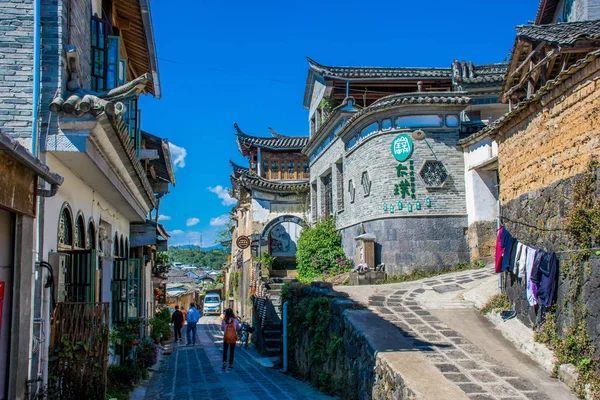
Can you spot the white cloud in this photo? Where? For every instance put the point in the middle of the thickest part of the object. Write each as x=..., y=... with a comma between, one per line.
x=223, y=194
x=164, y=218
x=192, y=221
x=176, y=232
x=178, y=155
x=220, y=220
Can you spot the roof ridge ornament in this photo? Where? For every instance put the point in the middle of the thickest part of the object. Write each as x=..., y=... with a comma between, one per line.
x=275, y=134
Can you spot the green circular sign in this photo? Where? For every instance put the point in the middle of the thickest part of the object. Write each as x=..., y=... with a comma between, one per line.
x=402, y=147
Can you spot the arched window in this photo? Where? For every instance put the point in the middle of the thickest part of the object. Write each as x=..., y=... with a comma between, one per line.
x=116, y=252
x=122, y=247
x=79, y=232
x=126, y=248
x=90, y=237
x=65, y=228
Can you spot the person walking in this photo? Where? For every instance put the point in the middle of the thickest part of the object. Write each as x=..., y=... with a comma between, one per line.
x=193, y=316
x=177, y=321
x=230, y=325
x=184, y=315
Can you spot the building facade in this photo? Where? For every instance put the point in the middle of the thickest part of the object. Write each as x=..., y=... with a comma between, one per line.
x=385, y=160
x=271, y=208
x=547, y=148
x=70, y=95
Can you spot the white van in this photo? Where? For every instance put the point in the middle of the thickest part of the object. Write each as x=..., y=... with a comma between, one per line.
x=212, y=304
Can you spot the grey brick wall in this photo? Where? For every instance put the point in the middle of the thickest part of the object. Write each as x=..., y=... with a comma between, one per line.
x=16, y=67
x=411, y=243
x=430, y=238
x=374, y=155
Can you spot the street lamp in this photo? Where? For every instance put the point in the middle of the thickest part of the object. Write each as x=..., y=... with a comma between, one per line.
x=419, y=135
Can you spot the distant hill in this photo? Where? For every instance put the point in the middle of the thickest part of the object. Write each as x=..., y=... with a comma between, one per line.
x=217, y=246
x=193, y=255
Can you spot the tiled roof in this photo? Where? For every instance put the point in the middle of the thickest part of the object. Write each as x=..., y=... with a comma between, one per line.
x=163, y=165
x=275, y=142
x=477, y=74
x=564, y=34
x=550, y=85
x=252, y=181
x=439, y=98
x=379, y=72
x=238, y=169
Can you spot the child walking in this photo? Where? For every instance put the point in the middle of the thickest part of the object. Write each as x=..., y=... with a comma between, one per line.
x=230, y=325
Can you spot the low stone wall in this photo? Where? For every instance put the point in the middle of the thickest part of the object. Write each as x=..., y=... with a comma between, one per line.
x=407, y=244
x=352, y=369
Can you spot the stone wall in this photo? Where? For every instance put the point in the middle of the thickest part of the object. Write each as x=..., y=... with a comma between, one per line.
x=354, y=369
x=543, y=150
x=481, y=238
x=548, y=209
x=405, y=244
x=546, y=144
x=16, y=67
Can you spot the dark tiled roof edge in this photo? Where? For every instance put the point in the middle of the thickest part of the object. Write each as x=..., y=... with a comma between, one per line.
x=563, y=76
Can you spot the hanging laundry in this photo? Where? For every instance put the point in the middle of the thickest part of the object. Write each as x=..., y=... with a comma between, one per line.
x=508, y=244
x=499, y=251
x=531, y=288
x=529, y=256
x=518, y=255
x=548, y=271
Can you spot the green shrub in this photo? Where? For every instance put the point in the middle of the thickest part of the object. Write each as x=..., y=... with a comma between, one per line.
x=499, y=303
x=319, y=249
x=160, y=326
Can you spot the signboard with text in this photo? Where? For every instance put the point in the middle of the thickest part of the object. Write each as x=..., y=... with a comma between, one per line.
x=402, y=147
x=243, y=242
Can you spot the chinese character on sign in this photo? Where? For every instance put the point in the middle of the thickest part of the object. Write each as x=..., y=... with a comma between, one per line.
x=402, y=147
x=406, y=187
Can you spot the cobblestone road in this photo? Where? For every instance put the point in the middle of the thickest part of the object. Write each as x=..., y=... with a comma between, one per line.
x=195, y=373
x=479, y=376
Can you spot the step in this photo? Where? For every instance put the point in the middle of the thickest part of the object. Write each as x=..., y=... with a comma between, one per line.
x=275, y=286
x=273, y=342
x=273, y=351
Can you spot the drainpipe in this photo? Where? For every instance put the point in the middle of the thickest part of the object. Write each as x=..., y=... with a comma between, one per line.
x=36, y=76
x=285, y=337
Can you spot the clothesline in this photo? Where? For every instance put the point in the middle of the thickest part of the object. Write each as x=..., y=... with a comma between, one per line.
x=503, y=218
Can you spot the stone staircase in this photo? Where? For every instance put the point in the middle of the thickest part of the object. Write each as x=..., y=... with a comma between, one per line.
x=272, y=329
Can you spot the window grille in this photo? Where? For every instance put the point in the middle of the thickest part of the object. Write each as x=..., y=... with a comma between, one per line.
x=65, y=228
x=366, y=183
x=433, y=173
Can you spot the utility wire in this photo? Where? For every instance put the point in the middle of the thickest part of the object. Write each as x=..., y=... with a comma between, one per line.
x=503, y=218
x=350, y=89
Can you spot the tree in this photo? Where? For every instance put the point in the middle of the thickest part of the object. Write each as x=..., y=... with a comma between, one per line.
x=319, y=250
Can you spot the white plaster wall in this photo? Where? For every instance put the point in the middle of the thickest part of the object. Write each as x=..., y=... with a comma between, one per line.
x=80, y=197
x=260, y=211
x=481, y=152
x=480, y=186
x=317, y=96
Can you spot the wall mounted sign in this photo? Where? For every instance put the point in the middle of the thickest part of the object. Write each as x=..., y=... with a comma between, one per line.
x=402, y=147
x=243, y=242
x=406, y=186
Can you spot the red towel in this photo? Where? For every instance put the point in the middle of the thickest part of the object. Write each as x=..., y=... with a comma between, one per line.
x=499, y=251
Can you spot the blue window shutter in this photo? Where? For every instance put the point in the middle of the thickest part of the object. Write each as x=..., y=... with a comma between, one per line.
x=113, y=62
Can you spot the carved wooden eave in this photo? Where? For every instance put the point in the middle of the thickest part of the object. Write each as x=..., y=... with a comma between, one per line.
x=541, y=53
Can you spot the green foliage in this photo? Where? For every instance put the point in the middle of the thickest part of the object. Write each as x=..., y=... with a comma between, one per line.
x=200, y=258
x=583, y=221
x=497, y=303
x=235, y=283
x=416, y=275
x=319, y=248
x=267, y=260
x=162, y=258
x=311, y=317
x=160, y=326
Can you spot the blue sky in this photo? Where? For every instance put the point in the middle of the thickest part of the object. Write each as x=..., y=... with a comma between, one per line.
x=238, y=61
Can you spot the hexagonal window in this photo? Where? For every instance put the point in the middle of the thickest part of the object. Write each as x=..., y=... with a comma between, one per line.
x=433, y=173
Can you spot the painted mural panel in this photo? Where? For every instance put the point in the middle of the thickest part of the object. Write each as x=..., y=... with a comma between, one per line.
x=284, y=238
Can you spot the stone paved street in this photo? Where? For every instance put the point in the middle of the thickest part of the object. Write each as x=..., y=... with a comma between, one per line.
x=420, y=309
x=195, y=373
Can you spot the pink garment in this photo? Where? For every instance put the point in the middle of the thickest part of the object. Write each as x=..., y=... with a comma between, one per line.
x=499, y=251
